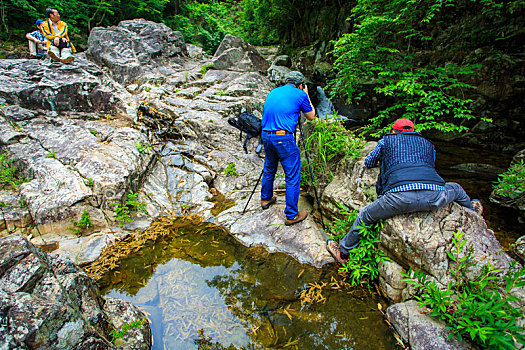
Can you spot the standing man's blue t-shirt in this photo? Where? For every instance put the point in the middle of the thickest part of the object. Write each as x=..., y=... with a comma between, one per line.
x=282, y=107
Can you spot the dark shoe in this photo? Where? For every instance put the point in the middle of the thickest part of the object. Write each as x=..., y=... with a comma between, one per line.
x=478, y=207
x=54, y=57
x=266, y=204
x=298, y=218
x=334, y=250
x=68, y=60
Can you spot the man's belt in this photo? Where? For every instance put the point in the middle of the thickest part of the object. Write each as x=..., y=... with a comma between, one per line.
x=277, y=132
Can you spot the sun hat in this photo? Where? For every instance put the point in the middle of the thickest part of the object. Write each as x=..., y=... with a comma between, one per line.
x=403, y=124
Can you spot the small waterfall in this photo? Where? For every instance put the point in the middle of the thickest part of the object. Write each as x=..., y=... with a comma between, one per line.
x=325, y=108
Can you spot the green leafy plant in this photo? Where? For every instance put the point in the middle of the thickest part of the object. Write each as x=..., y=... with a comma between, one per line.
x=124, y=329
x=231, y=170
x=89, y=182
x=512, y=182
x=93, y=132
x=143, y=148
x=123, y=211
x=329, y=144
x=479, y=309
x=83, y=224
x=8, y=172
x=205, y=68
x=51, y=154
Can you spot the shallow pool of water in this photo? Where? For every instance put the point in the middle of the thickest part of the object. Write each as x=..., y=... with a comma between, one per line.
x=202, y=278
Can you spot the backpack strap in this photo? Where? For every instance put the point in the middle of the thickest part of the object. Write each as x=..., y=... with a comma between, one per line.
x=244, y=145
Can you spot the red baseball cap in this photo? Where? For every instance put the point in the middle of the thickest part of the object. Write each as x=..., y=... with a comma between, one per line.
x=403, y=125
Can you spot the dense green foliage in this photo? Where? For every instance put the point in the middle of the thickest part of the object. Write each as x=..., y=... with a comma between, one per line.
x=124, y=211
x=329, y=145
x=204, y=23
x=386, y=57
x=480, y=308
x=512, y=182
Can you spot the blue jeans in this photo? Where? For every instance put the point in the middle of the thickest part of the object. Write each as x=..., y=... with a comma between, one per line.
x=395, y=203
x=282, y=148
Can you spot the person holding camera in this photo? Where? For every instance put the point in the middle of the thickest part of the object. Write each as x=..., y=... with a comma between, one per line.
x=36, y=41
x=281, y=113
x=59, y=46
x=407, y=182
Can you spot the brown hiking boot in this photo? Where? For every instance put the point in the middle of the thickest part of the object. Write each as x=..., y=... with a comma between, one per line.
x=266, y=204
x=298, y=218
x=54, y=57
x=68, y=60
x=334, y=250
x=478, y=207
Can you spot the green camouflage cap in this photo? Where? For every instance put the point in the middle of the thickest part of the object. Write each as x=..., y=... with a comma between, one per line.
x=295, y=77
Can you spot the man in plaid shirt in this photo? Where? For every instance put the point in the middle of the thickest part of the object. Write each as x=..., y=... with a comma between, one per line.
x=407, y=182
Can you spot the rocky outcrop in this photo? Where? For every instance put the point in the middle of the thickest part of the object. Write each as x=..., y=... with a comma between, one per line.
x=237, y=54
x=48, y=302
x=136, y=47
x=78, y=87
x=420, y=331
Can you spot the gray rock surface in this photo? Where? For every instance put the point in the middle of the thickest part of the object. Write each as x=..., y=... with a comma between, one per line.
x=420, y=331
x=237, y=54
x=135, y=48
x=48, y=302
x=31, y=84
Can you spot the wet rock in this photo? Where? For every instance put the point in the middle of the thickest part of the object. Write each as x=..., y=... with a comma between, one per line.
x=16, y=114
x=45, y=301
x=282, y=60
x=79, y=86
x=420, y=331
x=134, y=48
x=237, y=54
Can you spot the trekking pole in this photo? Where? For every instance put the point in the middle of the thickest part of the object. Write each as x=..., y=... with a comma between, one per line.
x=311, y=173
x=246, y=206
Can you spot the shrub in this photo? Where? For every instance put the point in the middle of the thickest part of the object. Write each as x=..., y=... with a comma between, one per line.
x=83, y=224
x=123, y=211
x=329, y=144
x=479, y=309
x=8, y=173
x=362, y=267
x=511, y=183
x=231, y=170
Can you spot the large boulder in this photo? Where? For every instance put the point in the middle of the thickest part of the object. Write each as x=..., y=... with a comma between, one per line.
x=237, y=54
x=136, y=47
x=420, y=331
x=48, y=302
x=80, y=86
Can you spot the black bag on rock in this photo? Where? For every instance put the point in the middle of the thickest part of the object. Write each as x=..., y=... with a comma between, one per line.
x=251, y=125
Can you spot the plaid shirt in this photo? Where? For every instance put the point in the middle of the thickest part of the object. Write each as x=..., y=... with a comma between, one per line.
x=38, y=35
x=375, y=156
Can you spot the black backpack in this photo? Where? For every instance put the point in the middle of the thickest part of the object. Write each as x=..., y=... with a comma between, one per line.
x=251, y=125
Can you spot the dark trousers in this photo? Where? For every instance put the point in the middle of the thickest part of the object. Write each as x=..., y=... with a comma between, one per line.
x=395, y=203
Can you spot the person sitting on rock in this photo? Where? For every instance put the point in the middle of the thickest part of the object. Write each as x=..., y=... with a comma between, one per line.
x=36, y=41
x=280, y=116
x=59, y=46
x=407, y=182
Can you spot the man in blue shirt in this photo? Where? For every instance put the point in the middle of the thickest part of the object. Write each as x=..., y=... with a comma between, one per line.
x=37, y=41
x=280, y=117
x=407, y=183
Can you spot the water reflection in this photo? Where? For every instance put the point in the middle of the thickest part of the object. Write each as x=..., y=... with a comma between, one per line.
x=203, y=279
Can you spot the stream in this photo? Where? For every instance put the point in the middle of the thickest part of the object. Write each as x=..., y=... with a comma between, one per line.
x=201, y=278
